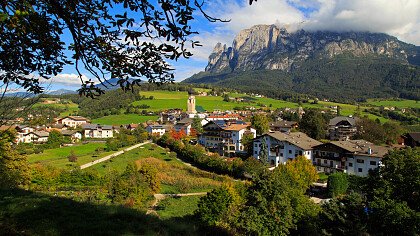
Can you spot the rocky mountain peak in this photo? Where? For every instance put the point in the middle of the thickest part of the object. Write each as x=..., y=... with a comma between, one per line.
x=273, y=47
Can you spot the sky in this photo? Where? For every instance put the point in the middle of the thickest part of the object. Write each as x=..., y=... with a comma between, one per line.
x=400, y=18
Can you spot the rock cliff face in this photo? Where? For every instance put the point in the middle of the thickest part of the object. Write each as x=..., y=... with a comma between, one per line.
x=273, y=48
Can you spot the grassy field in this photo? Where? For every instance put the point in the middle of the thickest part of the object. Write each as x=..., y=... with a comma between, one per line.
x=395, y=103
x=30, y=213
x=176, y=177
x=70, y=107
x=168, y=99
x=123, y=119
x=177, y=206
x=58, y=157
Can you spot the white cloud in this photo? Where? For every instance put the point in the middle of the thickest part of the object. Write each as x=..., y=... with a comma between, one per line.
x=72, y=80
x=400, y=18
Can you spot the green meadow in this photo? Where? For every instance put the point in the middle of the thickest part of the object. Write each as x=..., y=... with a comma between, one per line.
x=177, y=206
x=175, y=176
x=395, y=103
x=123, y=119
x=69, y=107
x=58, y=157
x=169, y=99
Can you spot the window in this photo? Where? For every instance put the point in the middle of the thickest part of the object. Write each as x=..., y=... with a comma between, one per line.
x=325, y=161
x=360, y=170
x=233, y=135
x=300, y=153
x=350, y=164
x=281, y=154
x=360, y=161
x=373, y=163
x=255, y=152
x=290, y=151
x=255, y=145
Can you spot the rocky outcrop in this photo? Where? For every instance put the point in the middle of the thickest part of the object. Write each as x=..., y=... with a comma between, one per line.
x=274, y=48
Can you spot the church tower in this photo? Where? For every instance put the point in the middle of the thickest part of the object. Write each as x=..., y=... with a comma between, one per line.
x=191, y=105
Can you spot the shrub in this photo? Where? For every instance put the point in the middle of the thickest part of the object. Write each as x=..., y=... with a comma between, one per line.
x=337, y=184
x=72, y=157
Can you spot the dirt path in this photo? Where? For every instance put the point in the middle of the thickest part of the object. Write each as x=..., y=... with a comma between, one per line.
x=159, y=197
x=112, y=155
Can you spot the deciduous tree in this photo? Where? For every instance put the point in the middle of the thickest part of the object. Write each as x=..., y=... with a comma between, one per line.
x=104, y=42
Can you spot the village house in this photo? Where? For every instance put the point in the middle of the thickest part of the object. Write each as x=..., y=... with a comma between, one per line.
x=22, y=132
x=157, y=130
x=283, y=126
x=355, y=157
x=75, y=136
x=184, y=125
x=342, y=128
x=224, y=136
x=73, y=121
x=98, y=131
x=282, y=147
x=36, y=137
x=57, y=127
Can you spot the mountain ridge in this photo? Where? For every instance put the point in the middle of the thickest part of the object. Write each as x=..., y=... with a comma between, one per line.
x=265, y=48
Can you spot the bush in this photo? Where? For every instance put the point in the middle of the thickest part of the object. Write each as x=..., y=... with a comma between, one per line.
x=337, y=184
x=72, y=157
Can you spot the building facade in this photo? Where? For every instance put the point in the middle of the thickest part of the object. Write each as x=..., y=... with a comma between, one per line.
x=356, y=157
x=282, y=147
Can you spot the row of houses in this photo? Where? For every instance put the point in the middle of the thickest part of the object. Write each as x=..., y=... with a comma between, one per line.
x=27, y=134
x=350, y=156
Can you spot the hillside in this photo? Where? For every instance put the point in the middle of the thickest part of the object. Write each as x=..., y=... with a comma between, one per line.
x=345, y=66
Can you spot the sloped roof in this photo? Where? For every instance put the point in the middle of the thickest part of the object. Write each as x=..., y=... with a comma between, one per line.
x=298, y=139
x=7, y=127
x=40, y=133
x=185, y=121
x=415, y=136
x=96, y=126
x=334, y=121
x=361, y=147
x=236, y=127
x=283, y=124
x=69, y=132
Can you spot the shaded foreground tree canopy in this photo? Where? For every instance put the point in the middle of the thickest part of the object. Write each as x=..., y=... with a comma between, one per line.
x=121, y=39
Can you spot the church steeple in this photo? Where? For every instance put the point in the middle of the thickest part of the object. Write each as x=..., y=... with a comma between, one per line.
x=191, y=104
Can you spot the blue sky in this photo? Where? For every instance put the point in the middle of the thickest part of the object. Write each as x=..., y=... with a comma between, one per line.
x=400, y=18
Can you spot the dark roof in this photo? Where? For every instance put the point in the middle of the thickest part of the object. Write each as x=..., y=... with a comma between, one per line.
x=185, y=121
x=361, y=147
x=298, y=139
x=415, y=136
x=334, y=121
x=97, y=126
x=283, y=124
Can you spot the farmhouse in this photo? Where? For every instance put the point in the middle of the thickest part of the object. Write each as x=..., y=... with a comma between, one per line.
x=184, y=125
x=352, y=156
x=73, y=121
x=224, y=137
x=282, y=147
x=74, y=135
x=342, y=128
x=98, y=131
x=283, y=126
x=157, y=130
x=36, y=137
